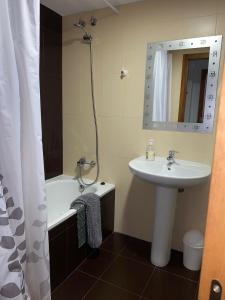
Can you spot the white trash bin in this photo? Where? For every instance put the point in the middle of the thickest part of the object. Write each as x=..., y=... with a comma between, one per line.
x=193, y=247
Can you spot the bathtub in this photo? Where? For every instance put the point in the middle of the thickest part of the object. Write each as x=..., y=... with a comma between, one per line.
x=61, y=191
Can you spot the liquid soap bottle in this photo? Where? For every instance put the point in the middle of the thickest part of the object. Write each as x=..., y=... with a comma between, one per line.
x=150, y=150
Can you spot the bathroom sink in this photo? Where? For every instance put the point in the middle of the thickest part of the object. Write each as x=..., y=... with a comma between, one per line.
x=181, y=174
x=167, y=179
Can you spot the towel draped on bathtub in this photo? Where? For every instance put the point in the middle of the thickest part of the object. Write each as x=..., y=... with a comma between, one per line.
x=88, y=219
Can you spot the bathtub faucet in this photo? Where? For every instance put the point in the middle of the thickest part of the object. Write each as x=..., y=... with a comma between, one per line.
x=81, y=188
x=82, y=161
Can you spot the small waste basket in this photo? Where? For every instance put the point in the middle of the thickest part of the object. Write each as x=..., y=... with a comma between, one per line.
x=193, y=247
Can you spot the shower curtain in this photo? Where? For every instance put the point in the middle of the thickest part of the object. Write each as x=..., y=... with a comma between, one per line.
x=162, y=86
x=24, y=256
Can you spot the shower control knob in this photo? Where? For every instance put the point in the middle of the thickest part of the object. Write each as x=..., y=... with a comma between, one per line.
x=92, y=163
x=81, y=161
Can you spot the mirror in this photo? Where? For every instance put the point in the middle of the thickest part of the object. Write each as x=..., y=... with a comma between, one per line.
x=181, y=84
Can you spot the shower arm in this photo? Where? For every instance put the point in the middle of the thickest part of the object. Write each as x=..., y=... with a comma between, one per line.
x=111, y=6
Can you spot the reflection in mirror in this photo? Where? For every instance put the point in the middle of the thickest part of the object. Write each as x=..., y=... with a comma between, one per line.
x=181, y=84
x=180, y=79
x=162, y=72
x=193, y=71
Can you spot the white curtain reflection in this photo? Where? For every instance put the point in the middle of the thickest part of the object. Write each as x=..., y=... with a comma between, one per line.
x=162, y=71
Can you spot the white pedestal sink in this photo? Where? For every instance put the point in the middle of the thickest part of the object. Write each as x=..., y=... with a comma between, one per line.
x=168, y=180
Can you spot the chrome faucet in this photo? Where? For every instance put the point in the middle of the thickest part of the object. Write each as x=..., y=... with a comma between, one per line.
x=171, y=158
x=82, y=161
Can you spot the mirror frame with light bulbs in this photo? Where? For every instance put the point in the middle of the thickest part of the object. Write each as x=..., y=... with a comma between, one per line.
x=214, y=44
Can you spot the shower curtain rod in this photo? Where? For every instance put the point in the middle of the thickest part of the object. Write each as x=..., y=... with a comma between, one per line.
x=111, y=6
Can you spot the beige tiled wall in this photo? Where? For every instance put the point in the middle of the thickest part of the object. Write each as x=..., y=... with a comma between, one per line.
x=120, y=41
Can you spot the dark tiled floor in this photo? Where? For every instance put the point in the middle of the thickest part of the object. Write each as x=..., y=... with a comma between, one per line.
x=75, y=287
x=96, y=266
x=138, y=250
x=128, y=274
x=168, y=286
x=123, y=271
x=116, y=243
x=103, y=290
x=176, y=266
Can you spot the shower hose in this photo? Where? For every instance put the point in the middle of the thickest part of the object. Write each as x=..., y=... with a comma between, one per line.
x=80, y=177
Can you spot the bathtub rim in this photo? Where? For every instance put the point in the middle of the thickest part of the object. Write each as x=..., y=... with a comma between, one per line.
x=102, y=190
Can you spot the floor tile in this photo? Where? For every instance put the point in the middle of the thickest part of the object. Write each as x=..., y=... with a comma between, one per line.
x=138, y=250
x=126, y=263
x=176, y=266
x=74, y=288
x=97, y=265
x=116, y=242
x=166, y=286
x=103, y=291
x=128, y=274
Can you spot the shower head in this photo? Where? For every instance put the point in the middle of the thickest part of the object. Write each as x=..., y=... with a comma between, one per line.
x=80, y=24
x=87, y=36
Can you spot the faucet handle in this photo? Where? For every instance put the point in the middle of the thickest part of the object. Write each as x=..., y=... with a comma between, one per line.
x=172, y=153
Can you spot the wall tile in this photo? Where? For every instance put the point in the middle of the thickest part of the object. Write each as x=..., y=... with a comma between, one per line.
x=112, y=102
x=51, y=90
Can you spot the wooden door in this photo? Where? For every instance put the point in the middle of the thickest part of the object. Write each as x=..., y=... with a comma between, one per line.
x=213, y=266
x=184, y=84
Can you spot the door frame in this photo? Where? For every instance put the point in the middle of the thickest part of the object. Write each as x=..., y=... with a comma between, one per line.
x=213, y=264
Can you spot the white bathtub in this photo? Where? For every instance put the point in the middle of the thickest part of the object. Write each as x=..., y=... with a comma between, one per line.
x=61, y=191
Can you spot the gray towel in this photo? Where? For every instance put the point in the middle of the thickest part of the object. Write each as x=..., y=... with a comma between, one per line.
x=92, y=206
x=81, y=224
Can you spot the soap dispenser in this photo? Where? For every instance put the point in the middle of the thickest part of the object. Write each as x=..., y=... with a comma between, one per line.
x=150, y=151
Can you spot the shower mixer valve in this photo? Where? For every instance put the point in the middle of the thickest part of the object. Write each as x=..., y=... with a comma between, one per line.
x=82, y=162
